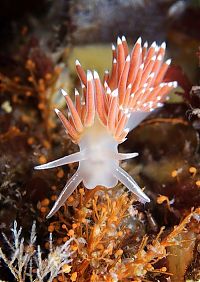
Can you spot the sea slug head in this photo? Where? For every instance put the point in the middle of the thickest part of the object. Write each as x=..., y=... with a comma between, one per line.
x=100, y=149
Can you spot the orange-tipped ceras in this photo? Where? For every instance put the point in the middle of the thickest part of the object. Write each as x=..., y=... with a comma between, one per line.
x=102, y=116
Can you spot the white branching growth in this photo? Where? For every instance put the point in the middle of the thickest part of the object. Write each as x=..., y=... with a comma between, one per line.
x=27, y=260
x=57, y=257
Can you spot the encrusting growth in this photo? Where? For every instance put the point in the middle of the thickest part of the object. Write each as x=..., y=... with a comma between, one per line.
x=102, y=116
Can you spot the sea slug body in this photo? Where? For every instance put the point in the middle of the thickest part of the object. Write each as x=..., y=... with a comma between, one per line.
x=100, y=119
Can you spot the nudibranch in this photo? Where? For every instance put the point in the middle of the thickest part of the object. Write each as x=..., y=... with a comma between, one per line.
x=100, y=119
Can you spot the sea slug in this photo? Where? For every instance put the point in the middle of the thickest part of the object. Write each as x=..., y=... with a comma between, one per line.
x=100, y=119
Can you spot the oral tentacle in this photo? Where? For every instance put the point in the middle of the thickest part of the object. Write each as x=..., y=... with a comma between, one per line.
x=125, y=156
x=128, y=181
x=76, y=157
x=69, y=188
x=119, y=156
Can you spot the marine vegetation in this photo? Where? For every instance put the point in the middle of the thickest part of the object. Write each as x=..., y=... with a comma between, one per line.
x=104, y=243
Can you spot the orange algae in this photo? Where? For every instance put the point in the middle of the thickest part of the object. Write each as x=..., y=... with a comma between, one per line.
x=107, y=248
